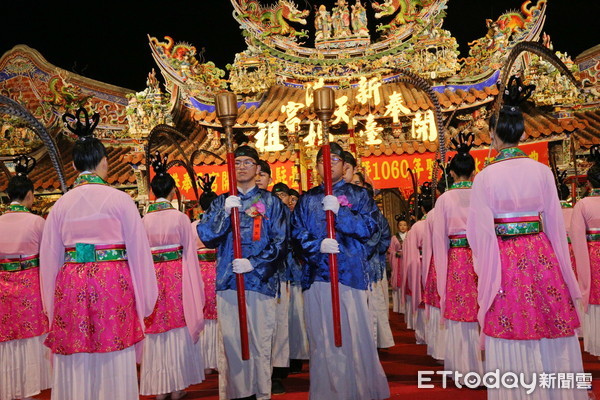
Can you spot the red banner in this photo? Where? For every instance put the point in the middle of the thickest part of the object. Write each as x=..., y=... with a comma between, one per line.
x=384, y=172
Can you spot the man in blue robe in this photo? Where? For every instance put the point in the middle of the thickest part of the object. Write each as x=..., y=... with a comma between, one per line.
x=263, y=229
x=352, y=371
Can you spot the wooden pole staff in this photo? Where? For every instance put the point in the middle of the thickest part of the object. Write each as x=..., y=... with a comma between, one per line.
x=226, y=108
x=324, y=99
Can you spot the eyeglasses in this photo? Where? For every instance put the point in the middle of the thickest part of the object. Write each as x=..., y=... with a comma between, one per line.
x=334, y=160
x=244, y=163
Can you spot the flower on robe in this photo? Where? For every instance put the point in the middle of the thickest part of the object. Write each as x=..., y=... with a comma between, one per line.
x=343, y=200
x=257, y=209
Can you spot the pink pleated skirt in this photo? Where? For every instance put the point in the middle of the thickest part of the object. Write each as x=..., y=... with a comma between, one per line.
x=94, y=309
x=461, y=286
x=533, y=301
x=21, y=311
x=168, y=311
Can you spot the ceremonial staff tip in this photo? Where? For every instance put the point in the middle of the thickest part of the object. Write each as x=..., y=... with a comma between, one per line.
x=226, y=108
x=324, y=100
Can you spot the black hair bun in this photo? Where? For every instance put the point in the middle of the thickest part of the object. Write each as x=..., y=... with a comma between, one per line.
x=159, y=164
x=207, y=182
x=463, y=142
x=401, y=217
x=82, y=130
x=516, y=93
x=24, y=165
x=595, y=153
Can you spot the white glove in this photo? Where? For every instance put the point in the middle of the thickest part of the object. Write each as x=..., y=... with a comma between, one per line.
x=330, y=246
x=331, y=203
x=232, y=202
x=241, y=265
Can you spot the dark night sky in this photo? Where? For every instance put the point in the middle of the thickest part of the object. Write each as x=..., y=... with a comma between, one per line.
x=109, y=42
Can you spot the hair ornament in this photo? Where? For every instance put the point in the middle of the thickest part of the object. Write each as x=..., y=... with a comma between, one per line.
x=159, y=164
x=84, y=130
x=463, y=142
x=401, y=217
x=516, y=93
x=207, y=182
x=24, y=165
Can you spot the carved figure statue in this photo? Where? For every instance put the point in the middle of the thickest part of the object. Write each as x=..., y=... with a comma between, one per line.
x=359, y=19
x=323, y=23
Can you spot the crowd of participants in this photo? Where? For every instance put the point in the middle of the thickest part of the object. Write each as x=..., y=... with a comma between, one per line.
x=94, y=290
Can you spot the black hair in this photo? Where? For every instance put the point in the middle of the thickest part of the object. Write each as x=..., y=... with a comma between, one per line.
x=207, y=196
x=162, y=183
x=425, y=198
x=563, y=189
x=362, y=179
x=509, y=125
x=349, y=159
x=335, y=149
x=294, y=192
x=401, y=217
x=280, y=187
x=264, y=167
x=19, y=185
x=88, y=150
x=370, y=189
x=593, y=173
x=247, y=151
x=463, y=163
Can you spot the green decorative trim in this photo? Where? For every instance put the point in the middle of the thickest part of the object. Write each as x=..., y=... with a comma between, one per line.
x=84, y=252
x=508, y=153
x=86, y=179
x=169, y=255
x=17, y=208
x=462, y=185
x=459, y=242
x=20, y=265
x=161, y=205
x=517, y=228
x=209, y=257
x=593, y=237
x=565, y=204
x=595, y=192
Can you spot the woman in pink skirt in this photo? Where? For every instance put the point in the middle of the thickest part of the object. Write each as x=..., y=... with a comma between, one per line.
x=24, y=361
x=457, y=282
x=210, y=338
x=171, y=359
x=526, y=286
x=98, y=281
x=395, y=260
x=585, y=236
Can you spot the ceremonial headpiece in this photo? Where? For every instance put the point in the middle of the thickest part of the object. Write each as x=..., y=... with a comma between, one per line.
x=207, y=196
x=159, y=164
x=24, y=165
x=85, y=130
x=516, y=93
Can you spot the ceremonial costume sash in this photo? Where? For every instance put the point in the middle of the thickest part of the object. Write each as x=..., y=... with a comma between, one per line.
x=515, y=224
x=84, y=252
x=21, y=263
x=593, y=235
x=170, y=252
x=459, y=240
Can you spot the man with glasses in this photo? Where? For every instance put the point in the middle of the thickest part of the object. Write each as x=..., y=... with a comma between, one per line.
x=352, y=371
x=263, y=229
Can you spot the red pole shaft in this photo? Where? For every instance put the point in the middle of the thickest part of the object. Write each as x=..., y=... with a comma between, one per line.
x=333, y=267
x=237, y=253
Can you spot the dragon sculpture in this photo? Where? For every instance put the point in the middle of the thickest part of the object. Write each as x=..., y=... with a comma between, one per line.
x=181, y=59
x=409, y=12
x=510, y=28
x=273, y=20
